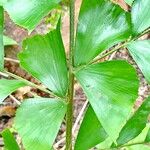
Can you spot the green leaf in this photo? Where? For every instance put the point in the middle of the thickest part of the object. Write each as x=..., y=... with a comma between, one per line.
x=140, y=51
x=8, y=86
x=9, y=41
x=138, y=147
x=28, y=13
x=135, y=124
x=148, y=137
x=129, y=2
x=91, y=132
x=140, y=15
x=1, y=39
x=141, y=137
x=112, y=88
x=44, y=58
x=9, y=140
x=38, y=121
x=2, y=2
x=101, y=25
x=105, y=144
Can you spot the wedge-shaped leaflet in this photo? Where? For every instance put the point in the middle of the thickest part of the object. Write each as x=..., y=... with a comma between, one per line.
x=8, y=86
x=129, y=2
x=44, y=58
x=28, y=13
x=140, y=15
x=135, y=124
x=1, y=39
x=102, y=24
x=111, y=87
x=8, y=41
x=140, y=51
x=91, y=130
x=38, y=121
x=9, y=140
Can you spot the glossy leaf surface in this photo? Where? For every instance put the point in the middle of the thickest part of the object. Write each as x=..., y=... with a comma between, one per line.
x=140, y=51
x=140, y=15
x=38, y=121
x=8, y=41
x=28, y=13
x=1, y=39
x=101, y=25
x=8, y=86
x=111, y=87
x=9, y=140
x=135, y=124
x=91, y=132
x=44, y=58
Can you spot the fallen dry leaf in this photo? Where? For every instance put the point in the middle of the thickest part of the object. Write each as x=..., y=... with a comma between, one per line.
x=7, y=111
x=22, y=91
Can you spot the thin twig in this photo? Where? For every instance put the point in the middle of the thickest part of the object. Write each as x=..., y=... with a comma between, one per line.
x=4, y=74
x=75, y=125
x=15, y=100
x=112, y=56
x=34, y=94
x=79, y=117
x=59, y=142
x=18, y=102
x=12, y=60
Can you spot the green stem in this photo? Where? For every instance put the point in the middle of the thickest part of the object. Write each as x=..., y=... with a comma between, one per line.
x=143, y=33
x=121, y=46
x=29, y=83
x=132, y=144
x=69, y=115
x=101, y=57
x=97, y=59
x=108, y=53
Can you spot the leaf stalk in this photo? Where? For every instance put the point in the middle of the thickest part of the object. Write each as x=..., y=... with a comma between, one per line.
x=69, y=115
x=125, y=145
x=124, y=44
x=30, y=83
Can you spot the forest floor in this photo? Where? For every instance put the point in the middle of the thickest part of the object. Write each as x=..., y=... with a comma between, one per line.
x=8, y=109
